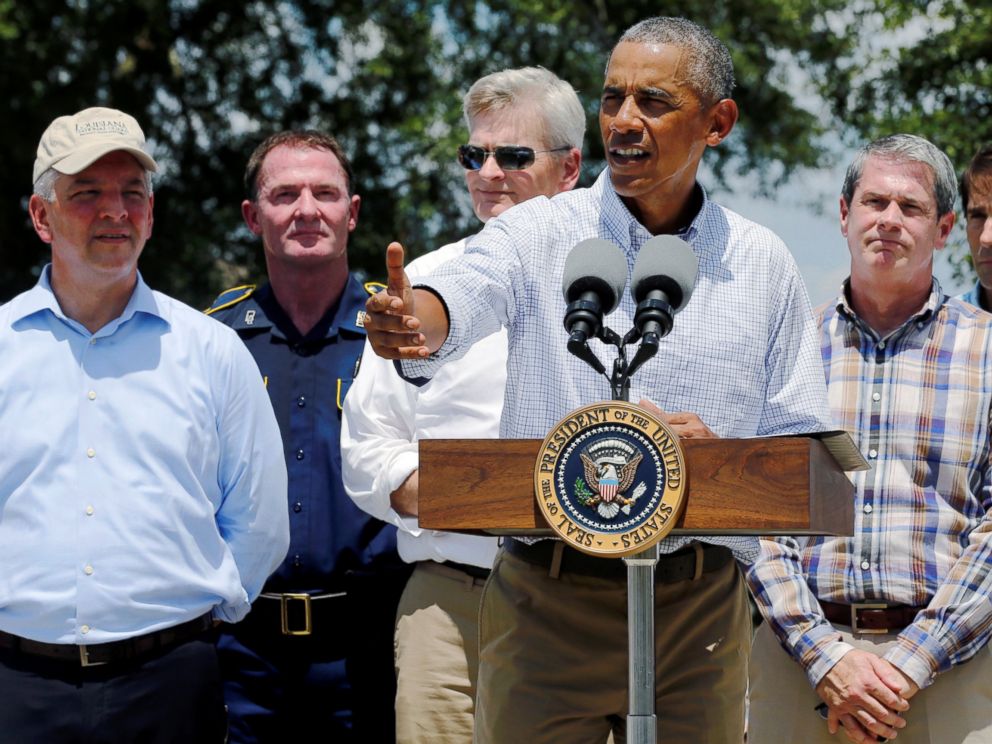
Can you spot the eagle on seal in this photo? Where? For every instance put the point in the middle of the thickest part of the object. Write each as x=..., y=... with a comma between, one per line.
x=609, y=477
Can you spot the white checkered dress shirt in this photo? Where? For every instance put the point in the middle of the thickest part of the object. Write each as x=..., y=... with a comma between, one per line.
x=742, y=355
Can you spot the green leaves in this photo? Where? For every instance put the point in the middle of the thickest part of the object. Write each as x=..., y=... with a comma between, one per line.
x=208, y=79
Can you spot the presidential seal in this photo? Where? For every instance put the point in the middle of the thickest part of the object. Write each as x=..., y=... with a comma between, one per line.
x=610, y=479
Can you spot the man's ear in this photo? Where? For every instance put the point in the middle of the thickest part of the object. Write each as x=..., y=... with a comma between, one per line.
x=723, y=117
x=249, y=211
x=353, y=209
x=38, y=209
x=944, y=225
x=845, y=210
x=571, y=169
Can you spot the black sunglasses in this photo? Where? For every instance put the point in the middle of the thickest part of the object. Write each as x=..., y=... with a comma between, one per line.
x=508, y=157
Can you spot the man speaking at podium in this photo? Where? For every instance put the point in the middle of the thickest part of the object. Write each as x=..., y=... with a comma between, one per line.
x=741, y=361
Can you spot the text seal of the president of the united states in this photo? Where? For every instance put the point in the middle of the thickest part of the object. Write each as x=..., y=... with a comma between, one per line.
x=610, y=479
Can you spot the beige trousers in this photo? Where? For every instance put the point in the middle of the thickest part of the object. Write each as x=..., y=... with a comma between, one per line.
x=554, y=658
x=437, y=656
x=955, y=709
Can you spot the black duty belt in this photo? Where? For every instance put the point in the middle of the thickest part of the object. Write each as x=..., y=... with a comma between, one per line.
x=671, y=567
x=870, y=617
x=99, y=654
x=298, y=614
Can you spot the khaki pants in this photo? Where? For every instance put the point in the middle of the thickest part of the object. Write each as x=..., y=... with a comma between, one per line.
x=956, y=709
x=554, y=657
x=437, y=656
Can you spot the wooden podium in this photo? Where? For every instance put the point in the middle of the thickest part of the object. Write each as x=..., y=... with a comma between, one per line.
x=763, y=486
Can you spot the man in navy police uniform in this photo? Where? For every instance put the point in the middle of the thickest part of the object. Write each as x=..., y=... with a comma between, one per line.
x=315, y=654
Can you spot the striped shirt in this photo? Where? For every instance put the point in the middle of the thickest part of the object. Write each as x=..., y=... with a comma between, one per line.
x=742, y=354
x=918, y=403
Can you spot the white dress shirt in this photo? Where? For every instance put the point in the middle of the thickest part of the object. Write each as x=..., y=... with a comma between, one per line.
x=385, y=417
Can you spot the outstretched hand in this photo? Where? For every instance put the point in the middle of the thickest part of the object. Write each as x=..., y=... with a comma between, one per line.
x=391, y=323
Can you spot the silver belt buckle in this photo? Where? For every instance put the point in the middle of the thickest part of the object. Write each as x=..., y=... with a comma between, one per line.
x=855, y=606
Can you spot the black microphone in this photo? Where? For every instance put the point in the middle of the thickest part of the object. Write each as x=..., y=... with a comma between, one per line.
x=593, y=281
x=661, y=285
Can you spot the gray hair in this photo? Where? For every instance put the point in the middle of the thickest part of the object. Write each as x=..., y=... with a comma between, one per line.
x=45, y=185
x=554, y=100
x=709, y=67
x=907, y=148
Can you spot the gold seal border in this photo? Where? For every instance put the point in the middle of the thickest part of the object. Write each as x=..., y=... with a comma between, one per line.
x=652, y=529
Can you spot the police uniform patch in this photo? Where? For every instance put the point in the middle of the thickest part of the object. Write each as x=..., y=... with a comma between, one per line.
x=610, y=479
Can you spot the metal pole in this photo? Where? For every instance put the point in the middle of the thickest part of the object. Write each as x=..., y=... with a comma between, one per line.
x=642, y=723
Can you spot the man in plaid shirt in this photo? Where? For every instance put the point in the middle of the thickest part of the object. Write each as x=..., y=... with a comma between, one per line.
x=872, y=620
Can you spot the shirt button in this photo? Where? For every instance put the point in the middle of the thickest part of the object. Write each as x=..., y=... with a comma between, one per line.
x=297, y=507
x=91, y=452
x=297, y=560
x=85, y=629
x=867, y=509
x=301, y=401
x=299, y=454
x=88, y=570
x=876, y=396
x=873, y=454
x=92, y=341
x=881, y=344
x=865, y=565
x=89, y=510
x=91, y=395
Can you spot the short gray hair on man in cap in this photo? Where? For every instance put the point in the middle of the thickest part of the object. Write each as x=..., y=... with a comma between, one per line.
x=550, y=97
x=71, y=144
x=907, y=148
x=708, y=65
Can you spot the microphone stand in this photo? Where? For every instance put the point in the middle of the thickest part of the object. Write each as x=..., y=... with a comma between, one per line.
x=642, y=720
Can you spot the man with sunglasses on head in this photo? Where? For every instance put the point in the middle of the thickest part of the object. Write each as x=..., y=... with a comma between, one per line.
x=741, y=361
x=525, y=140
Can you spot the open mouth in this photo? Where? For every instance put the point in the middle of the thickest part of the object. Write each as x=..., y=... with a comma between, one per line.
x=627, y=155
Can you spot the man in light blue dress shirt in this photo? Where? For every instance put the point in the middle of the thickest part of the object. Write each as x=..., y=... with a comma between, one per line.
x=142, y=485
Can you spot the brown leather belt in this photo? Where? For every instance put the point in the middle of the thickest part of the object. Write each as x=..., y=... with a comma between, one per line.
x=870, y=617
x=671, y=567
x=99, y=654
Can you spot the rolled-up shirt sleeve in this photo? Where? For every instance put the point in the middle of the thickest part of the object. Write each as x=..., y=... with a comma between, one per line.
x=378, y=439
x=792, y=610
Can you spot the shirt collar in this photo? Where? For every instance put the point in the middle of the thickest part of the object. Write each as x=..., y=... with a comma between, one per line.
x=922, y=317
x=348, y=314
x=41, y=297
x=625, y=229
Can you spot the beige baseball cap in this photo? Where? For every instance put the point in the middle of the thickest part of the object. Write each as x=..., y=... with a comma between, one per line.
x=73, y=143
